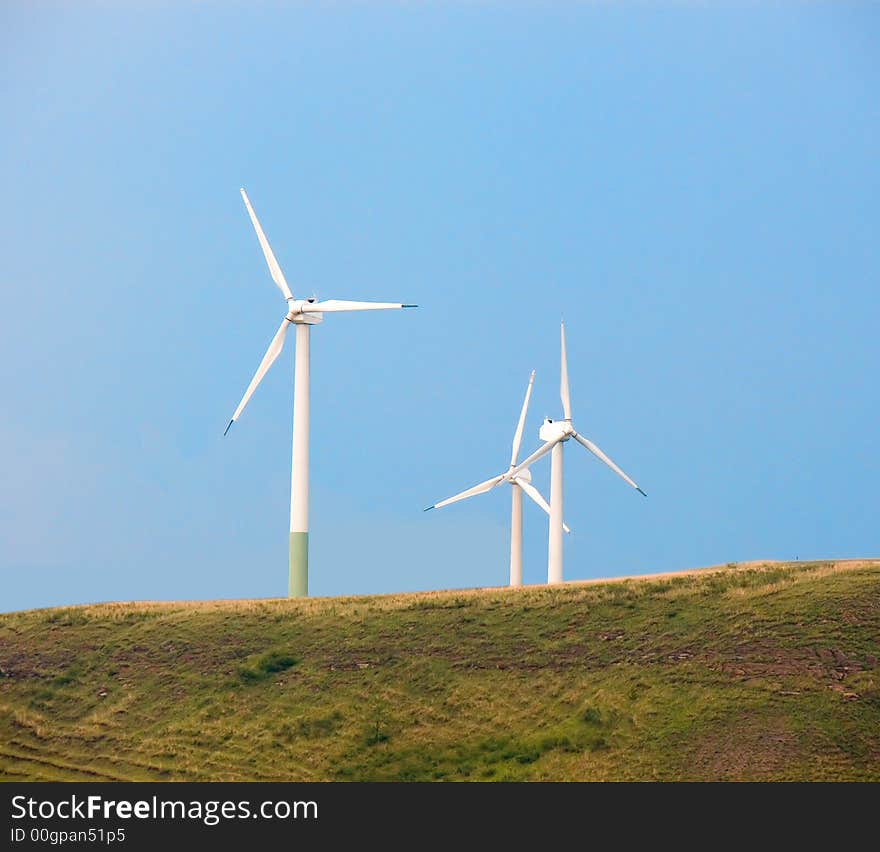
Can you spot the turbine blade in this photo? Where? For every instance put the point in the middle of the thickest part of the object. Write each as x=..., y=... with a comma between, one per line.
x=517, y=438
x=536, y=496
x=274, y=268
x=336, y=305
x=272, y=353
x=482, y=488
x=563, y=376
x=541, y=451
x=584, y=442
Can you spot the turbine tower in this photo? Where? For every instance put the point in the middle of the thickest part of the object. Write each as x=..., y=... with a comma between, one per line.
x=555, y=434
x=303, y=313
x=520, y=480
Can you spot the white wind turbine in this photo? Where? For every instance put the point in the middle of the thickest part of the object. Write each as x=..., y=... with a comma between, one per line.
x=520, y=480
x=303, y=313
x=555, y=434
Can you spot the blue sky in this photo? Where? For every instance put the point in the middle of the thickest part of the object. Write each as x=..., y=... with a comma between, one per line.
x=696, y=189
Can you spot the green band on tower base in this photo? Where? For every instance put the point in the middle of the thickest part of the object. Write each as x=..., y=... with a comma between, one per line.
x=298, y=582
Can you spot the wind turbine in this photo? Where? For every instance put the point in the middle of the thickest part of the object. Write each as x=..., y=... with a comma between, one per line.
x=303, y=313
x=520, y=480
x=555, y=434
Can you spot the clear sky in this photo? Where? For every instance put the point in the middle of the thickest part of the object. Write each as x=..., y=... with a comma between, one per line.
x=697, y=191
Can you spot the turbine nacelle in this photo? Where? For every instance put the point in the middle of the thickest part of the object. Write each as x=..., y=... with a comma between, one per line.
x=555, y=430
x=303, y=311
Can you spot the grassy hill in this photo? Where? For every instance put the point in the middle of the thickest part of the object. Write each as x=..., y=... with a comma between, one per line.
x=763, y=671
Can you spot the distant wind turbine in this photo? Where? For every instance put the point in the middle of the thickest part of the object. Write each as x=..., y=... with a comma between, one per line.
x=520, y=480
x=302, y=313
x=555, y=434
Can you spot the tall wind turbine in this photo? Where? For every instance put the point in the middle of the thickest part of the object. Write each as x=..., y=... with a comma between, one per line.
x=520, y=480
x=303, y=313
x=555, y=434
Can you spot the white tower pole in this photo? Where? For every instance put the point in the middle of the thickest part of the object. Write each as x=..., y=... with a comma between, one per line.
x=298, y=581
x=516, y=536
x=554, y=550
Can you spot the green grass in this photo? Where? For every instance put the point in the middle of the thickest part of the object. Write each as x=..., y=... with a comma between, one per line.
x=753, y=672
x=266, y=665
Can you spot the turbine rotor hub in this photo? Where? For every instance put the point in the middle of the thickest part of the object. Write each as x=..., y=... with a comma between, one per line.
x=523, y=474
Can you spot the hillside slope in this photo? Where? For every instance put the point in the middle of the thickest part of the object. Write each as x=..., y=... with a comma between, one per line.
x=760, y=672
